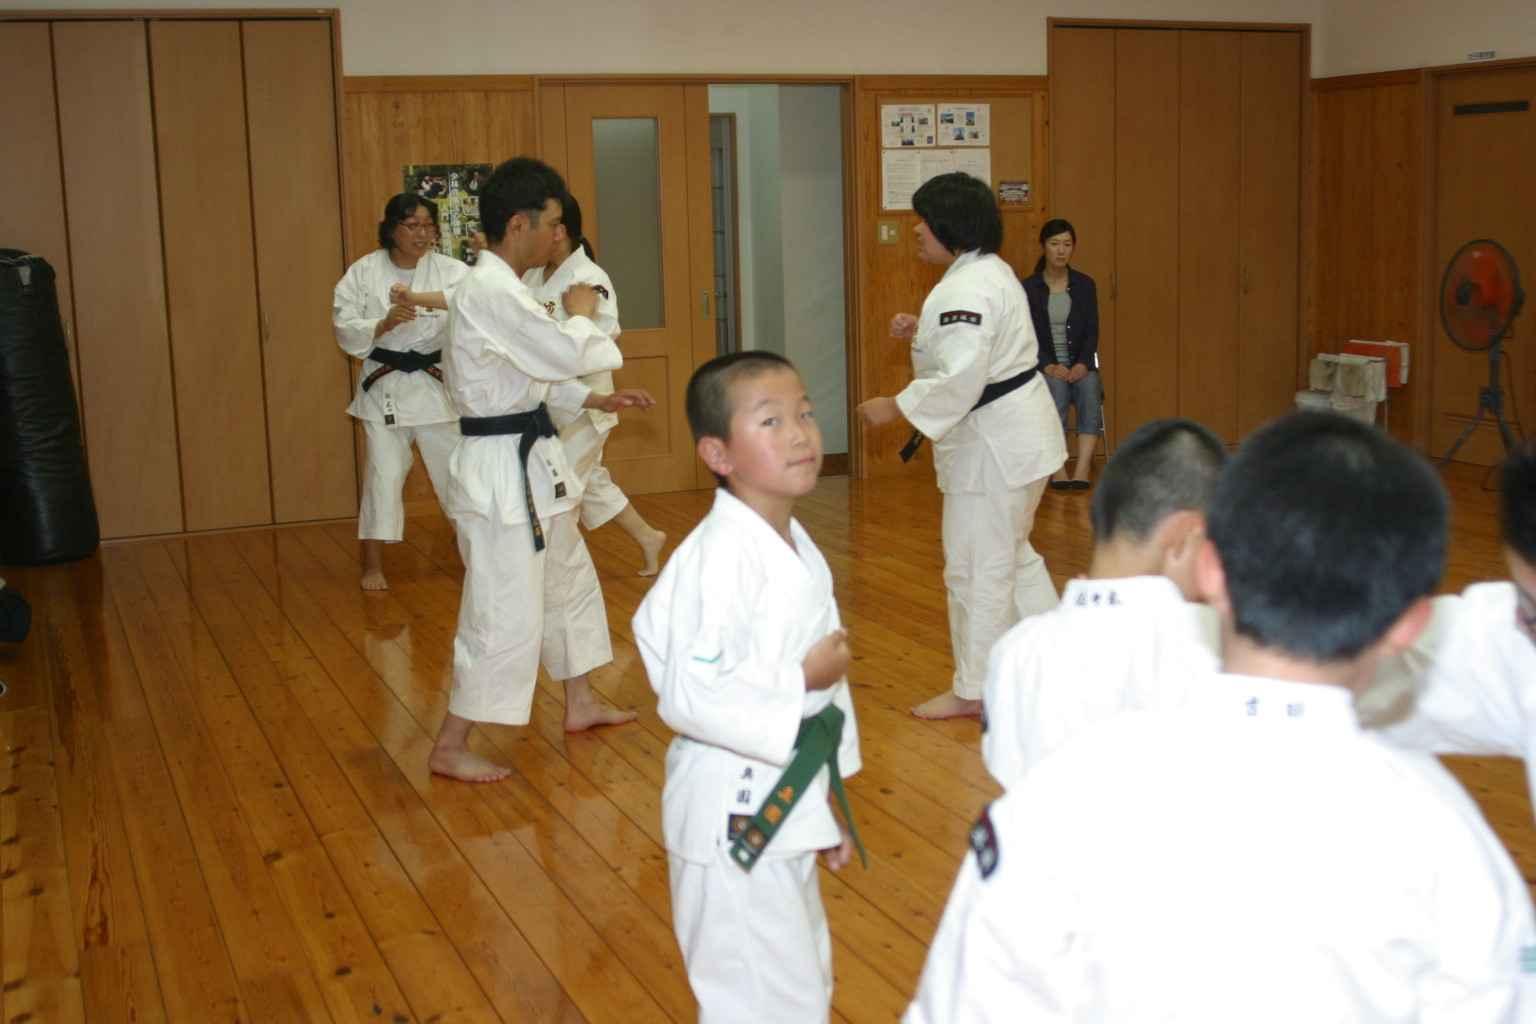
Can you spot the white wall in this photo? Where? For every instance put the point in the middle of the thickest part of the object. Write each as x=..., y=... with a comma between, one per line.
x=473, y=37
x=1371, y=35
x=811, y=198
x=758, y=228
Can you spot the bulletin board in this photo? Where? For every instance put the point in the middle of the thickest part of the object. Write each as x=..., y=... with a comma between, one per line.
x=988, y=138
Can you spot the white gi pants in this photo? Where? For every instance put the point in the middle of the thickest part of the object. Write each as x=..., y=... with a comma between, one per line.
x=601, y=498
x=756, y=944
x=381, y=514
x=521, y=607
x=993, y=576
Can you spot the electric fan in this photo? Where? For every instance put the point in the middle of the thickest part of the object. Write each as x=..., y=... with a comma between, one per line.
x=1480, y=296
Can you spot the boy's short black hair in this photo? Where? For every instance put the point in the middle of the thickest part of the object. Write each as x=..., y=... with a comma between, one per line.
x=1328, y=530
x=1166, y=466
x=709, y=391
x=961, y=211
x=519, y=185
x=397, y=211
x=1517, y=502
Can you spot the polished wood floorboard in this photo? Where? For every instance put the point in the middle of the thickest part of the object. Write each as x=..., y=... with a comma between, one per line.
x=215, y=803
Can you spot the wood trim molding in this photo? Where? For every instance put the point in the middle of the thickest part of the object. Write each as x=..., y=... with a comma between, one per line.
x=995, y=85
x=1408, y=76
x=169, y=14
x=764, y=78
x=1211, y=26
x=354, y=84
x=1483, y=65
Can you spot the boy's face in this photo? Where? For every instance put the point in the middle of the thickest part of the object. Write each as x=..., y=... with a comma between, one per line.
x=1523, y=575
x=775, y=446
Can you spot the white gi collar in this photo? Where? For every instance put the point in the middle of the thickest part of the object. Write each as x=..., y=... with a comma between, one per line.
x=739, y=512
x=1137, y=590
x=965, y=259
x=1276, y=700
x=567, y=272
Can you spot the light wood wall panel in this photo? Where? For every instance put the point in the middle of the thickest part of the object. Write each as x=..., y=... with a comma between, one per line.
x=1268, y=336
x=890, y=278
x=108, y=157
x=29, y=124
x=395, y=121
x=1210, y=194
x=1369, y=189
x=210, y=270
x=1143, y=382
x=296, y=201
x=1082, y=100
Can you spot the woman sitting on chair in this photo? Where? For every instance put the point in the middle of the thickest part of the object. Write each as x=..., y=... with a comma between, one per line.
x=1065, y=309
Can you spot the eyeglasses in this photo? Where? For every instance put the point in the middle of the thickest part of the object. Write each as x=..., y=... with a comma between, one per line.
x=418, y=225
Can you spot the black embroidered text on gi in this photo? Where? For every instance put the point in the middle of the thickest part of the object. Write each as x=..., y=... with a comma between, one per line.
x=959, y=316
x=984, y=842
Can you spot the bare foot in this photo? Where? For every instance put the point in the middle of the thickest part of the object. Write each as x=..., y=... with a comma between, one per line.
x=581, y=715
x=373, y=579
x=466, y=766
x=947, y=705
x=651, y=547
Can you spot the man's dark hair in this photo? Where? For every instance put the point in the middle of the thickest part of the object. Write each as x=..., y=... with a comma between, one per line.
x=397, y=211
x=1166, y=466
x=520, y=185
x=961, y=211
x=1517, y=502
x=1328, y=530
x=708, y=399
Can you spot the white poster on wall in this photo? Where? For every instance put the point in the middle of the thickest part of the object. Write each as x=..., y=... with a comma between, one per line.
x=903, y=172
x=906, y=125
x=965, y=124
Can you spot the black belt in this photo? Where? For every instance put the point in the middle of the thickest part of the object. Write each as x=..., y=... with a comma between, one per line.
x=532, y=426
x=989, y=394
x=405, y=362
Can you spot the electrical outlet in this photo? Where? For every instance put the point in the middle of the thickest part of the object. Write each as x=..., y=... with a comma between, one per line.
x=888, y=232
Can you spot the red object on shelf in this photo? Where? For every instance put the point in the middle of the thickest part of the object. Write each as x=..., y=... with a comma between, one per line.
x=1394, y=352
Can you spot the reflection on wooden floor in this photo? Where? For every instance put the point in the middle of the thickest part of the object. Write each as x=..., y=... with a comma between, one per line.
x=216, y=805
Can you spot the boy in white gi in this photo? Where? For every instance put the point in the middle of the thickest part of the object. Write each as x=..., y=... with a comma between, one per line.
x=996, y=436
x=583, y=435
x=530, y=591
x=742, y=642
x=1128, y=636
x=400, y=393
x=1472, y=675
x=1255, y=855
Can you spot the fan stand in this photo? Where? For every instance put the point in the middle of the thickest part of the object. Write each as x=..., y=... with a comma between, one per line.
x=1490, y=401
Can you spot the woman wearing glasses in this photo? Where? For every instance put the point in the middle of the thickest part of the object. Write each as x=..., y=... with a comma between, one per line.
x=400, y=394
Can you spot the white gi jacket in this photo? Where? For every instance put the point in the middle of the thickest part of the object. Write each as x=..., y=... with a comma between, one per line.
x=1471, y=679
x=975, y=330
x=578, y=268
x=360, y=301
x=723, y=633
x=506, y=355
x=1255, y=857
x=1111, y=646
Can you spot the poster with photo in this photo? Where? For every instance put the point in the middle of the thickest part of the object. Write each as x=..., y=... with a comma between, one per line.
x=965, y=124
x=455, y=188
x=906, y=125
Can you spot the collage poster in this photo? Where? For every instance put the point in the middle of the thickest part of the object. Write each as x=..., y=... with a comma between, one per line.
x=455, y=188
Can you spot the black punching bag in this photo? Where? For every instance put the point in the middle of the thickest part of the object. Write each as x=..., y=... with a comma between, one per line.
x=47, y=513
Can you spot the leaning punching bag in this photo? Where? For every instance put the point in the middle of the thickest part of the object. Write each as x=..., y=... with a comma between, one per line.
x=47, y=513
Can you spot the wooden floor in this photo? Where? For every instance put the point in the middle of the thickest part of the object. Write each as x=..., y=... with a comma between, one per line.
x=216, y=805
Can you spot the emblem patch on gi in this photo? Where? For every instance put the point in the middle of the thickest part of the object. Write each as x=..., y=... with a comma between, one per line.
x=559, y=490
x=984, y=842
x=959, y=316
x=600, y=290
x=549, y=307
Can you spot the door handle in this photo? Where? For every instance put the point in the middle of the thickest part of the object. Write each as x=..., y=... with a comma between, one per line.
x=704, y=305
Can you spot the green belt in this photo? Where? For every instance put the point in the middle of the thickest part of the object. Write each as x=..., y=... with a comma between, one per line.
x=815, y=745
